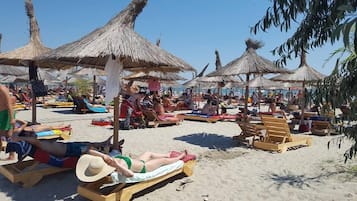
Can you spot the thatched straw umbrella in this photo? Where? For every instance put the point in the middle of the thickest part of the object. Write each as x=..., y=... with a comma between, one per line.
x=162, y=76
x=303, y=74
x=12, y=70
x=116, y=41
x=249, y=63
x=25, y=56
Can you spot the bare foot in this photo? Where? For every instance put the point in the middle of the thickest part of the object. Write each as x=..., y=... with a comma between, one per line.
x=10, y=158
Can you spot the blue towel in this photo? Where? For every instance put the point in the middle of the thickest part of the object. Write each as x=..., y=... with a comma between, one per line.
x=94, y=109
x=45, y=133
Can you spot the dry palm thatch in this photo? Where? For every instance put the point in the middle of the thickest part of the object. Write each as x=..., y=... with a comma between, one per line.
x=34, y=48
x=117, y=38
x=249, y=63
x=12, y=70
x=304, y=73
x=218, y=60
x=262, y=82
x=162, y=76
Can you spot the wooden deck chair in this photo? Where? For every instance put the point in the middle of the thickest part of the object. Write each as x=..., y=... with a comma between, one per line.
x=278, y=136
x=250, y=132
x=28, y=173
x=321, y=128
x=153, y=119
x=124, y=191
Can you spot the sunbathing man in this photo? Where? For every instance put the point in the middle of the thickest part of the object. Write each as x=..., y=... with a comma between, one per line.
x=127, y=166
x=60, y=154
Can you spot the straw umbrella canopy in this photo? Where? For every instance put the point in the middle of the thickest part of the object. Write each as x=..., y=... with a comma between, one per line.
x=249, y=63
x=262, y=82
x=303, y=74
x=162, y=76
x=117, y=41
x=12, y=70
x=117, y=38
x=25, y=56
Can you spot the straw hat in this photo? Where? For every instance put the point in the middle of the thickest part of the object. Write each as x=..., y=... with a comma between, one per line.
x=92, y=168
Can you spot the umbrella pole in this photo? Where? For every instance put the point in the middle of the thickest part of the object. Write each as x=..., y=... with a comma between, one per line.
x=33, y=75
x=116, y=123
x=246, y=99
x=94, y=88
x=303, y=103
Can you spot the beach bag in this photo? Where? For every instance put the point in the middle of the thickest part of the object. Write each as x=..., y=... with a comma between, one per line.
x=38, y=88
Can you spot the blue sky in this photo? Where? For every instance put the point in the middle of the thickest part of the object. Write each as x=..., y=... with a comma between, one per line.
x=189, y=29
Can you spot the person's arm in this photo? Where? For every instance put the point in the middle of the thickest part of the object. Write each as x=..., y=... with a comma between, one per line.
x=113, y=162
x=22, y=124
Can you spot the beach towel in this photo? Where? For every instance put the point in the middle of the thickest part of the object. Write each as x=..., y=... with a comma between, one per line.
x=94, y=109
x=139, y=177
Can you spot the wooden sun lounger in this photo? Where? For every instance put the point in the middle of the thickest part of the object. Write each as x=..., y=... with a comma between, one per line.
x=124, y=192
x=59, y=105
x=153, y=120
x=321, y=128
x=249, y=131
x=28, y=173
x=278, y=136
x=198, y=117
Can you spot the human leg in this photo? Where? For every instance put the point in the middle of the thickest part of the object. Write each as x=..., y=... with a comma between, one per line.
x=151, y=155
x=54, y=148
x=155, y=163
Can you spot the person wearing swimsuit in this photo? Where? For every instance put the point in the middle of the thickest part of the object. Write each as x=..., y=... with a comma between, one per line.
x=146, y=162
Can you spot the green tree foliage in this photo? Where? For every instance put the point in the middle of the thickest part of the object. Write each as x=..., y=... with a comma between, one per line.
x=319, y=22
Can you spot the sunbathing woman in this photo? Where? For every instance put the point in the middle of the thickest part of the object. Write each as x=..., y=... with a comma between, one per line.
x=30, y=130
x=146, y=162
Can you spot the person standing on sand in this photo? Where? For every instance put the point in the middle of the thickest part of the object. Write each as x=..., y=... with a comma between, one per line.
x=7, y=116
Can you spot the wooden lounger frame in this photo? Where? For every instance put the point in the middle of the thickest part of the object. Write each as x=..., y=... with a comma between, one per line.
x=154, y=121
x=278, y=136
x=249, y=130
x=28, y=173
x=321, y=128
x=59, y=105
x=124, y=192
x=198, y=118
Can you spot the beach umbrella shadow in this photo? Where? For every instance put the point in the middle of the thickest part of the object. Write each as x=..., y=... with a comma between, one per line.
x=209, y=140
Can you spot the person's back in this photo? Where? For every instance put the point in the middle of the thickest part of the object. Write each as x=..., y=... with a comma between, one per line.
x=3, y=98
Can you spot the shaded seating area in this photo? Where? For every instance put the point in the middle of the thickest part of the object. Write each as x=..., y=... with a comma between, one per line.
x=278, y=137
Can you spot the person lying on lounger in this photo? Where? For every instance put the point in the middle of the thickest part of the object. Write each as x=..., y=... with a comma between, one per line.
x=58, y=149
x=90, y=166
x=23, y=129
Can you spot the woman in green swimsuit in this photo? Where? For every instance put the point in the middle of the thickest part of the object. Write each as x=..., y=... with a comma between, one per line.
x=146, y=162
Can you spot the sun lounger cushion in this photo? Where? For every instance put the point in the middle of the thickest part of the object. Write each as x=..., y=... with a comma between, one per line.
x=139, y=177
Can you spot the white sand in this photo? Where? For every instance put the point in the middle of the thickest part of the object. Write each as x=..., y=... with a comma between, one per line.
x=224, y=170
